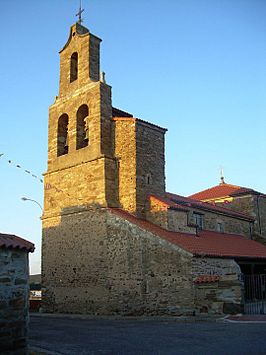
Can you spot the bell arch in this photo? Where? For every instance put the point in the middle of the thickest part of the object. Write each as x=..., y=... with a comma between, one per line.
x=62, y=135
x=74, y=67
x=82, y=127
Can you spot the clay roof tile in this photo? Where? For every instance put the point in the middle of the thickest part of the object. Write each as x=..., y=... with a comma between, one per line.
x=205, y=243
x=222, y=190
x=206, y=279
x=15, y=242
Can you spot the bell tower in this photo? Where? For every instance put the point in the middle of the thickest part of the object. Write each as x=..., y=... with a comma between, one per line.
x=81, y=164
x=98, y=157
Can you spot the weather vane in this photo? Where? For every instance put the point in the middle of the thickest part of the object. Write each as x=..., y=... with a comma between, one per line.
x=80, y=20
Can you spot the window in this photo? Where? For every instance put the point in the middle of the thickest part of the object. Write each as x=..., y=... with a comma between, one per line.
x=220, y=227
x=74, y=67
x=148, y=179
x=82, y=127
x=198, y=219
x=62, y=135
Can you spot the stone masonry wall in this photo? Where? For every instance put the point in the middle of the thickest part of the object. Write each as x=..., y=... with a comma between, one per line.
x=139, y=148
x=70, y=187
x=261, y=206
x=117, y=268
x=172, y=220
x=89, y=174
x=125, y=151
x=222, y=296
x=97, y=96
x=153, y=275
x=255, y=206
x=150, y=163
x=182, y=221
x=231, y=225
x=14, y=291
x=157, y=212
x=87, y=46
x=178, y=222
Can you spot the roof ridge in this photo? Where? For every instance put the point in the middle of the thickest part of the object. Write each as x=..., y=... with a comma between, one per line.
x=219, y=185
x=207, y=205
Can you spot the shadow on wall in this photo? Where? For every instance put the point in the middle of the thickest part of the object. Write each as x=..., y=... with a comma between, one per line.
x=96, y=262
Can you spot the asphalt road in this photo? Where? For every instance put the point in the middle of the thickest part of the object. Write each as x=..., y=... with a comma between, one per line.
x=74, y=336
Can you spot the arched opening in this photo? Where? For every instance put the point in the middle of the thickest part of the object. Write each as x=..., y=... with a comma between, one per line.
x=62, y=135
x=82, y=127
x=74, y=67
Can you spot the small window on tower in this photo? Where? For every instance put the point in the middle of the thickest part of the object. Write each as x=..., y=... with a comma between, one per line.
x=148, y=179
x=62, y=135
x=74, y=67
x=82, y=127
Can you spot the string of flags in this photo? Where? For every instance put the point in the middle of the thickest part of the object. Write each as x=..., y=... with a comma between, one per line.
x=47, y=186
x=20, y=167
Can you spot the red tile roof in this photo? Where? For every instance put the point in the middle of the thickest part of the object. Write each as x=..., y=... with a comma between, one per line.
x=207, y=243
x=189, y=202
x=222, y=190
x=166, y=202
x=116, y=112
x=206, y=279
x=14, y=242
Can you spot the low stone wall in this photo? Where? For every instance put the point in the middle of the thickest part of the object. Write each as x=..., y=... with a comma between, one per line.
x=13, y=299
x=221, y=296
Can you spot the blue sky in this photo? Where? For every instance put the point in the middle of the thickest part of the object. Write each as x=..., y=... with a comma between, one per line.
x=196, y=67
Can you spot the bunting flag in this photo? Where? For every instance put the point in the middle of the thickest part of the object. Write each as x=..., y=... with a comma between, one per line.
x=20, y=167
x=47, y=186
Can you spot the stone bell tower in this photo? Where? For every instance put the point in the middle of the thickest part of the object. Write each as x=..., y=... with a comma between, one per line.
x=98, y=157
x=81, y=175
x=81, y=164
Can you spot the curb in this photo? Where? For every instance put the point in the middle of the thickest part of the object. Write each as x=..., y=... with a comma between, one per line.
x=253, y=319
x=182, y=319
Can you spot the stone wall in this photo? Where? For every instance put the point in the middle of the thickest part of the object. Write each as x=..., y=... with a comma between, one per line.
x=231, y=224
x=261, y=215
x=175, y=220
x=97, y=97
x=87, y=46
x=61, y=186
x=222, y=296
x=116, y=267
x=169, y=219
x=125, y=151
x=157, y=212
x=14, y=292
x=81, y=173
x=150, y=162
x=139, y=147
x=255, y=206
x=88, y=174
x=178, y=221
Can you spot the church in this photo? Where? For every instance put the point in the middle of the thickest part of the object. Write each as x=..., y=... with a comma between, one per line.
x=114, y=241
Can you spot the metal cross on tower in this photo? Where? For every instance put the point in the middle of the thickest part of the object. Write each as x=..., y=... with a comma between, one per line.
x=80, y=20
